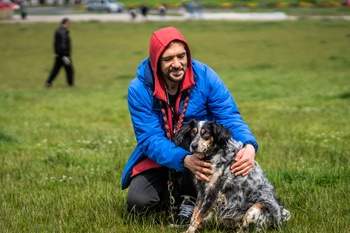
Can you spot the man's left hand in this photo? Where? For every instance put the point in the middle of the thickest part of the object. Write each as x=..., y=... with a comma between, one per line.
x=244, y=161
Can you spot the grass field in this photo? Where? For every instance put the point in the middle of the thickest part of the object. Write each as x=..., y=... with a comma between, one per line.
x=62, y=150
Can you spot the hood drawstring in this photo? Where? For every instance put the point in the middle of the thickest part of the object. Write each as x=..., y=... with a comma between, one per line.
x=169, y=136
x=179, y=122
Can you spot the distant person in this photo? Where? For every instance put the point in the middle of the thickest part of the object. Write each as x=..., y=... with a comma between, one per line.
x=133, y=13
x=182, y=9
x=62, y=47
x=23, y=9
x=162, y=10
x=191, y=8
x=199, y=7
x=144, y=10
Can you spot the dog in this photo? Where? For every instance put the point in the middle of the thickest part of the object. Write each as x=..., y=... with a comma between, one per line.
x=242, y=202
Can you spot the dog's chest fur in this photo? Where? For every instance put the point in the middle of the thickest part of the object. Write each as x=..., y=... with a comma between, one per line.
x=221, y=162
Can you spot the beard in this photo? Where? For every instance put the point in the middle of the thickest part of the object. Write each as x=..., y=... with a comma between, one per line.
x=175, y=75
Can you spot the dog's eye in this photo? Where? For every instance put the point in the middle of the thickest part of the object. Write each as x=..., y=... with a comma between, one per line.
x=206, y=135
x=194, y=132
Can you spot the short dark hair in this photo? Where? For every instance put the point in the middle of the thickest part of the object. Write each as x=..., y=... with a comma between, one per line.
x=64, y=21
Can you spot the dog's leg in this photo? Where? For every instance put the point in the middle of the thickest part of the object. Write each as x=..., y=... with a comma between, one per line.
x=254, y=215
x=195, y=212
x=202, y=210
x=194, y=225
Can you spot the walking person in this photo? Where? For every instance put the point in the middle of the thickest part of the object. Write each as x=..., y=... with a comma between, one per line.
x=191, y=8
x=62, y=48
x=144, y=10
x=162, y=11
x=199, y=8
x=170, y=89
x=133, y=13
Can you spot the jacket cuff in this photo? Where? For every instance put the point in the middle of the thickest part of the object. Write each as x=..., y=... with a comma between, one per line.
x=254, y=144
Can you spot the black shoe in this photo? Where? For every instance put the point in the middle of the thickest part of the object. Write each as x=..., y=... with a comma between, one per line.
x=183, y=218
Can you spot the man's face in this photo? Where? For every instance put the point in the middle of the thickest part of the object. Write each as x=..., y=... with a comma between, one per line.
x=173, y=62
x=66, y=25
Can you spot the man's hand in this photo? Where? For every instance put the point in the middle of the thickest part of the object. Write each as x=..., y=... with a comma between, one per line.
x=198, y=167
x=244, y=161
x=66, y=60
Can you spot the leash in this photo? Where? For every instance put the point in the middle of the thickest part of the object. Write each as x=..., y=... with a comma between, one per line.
x=171, y=189
x=172, y=207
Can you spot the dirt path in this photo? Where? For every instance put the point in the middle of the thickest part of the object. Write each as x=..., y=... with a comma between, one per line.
x=124, y=17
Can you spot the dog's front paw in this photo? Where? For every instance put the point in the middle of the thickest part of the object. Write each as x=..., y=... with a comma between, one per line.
x=191, y=229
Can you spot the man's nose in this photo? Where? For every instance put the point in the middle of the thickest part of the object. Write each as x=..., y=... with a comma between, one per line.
x=176, y=63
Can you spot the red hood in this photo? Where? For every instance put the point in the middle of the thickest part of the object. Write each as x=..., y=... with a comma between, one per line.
x=159, y=41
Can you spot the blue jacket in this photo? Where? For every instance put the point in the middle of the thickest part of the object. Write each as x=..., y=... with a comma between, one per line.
x=209, y=100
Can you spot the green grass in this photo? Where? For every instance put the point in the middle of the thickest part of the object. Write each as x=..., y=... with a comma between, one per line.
x=62, y=150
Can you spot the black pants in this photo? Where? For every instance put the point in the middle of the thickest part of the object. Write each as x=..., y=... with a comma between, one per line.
x=148, y=191
x=56, y=68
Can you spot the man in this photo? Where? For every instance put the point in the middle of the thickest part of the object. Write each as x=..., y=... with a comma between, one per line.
x=62, y=47
x=144, y=10
x=171, y=88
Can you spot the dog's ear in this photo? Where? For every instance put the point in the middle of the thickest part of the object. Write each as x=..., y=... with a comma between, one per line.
x=221, y=134
x=183, y=137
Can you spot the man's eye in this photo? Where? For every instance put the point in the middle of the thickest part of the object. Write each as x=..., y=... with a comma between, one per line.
x=182, y=56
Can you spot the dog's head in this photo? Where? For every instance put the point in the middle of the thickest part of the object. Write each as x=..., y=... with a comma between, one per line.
x=202, y=136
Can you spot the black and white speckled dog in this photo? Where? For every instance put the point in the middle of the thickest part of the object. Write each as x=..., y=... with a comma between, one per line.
x=240, y=201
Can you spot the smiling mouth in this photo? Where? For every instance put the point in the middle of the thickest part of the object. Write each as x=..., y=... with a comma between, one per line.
x=177, y=72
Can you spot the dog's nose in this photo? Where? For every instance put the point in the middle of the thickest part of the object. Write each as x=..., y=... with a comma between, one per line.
x=194, y=146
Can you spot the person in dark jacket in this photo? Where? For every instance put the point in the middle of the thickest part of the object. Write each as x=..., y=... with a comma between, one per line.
x=144, y=10
x=62, y=47
x=170, y=89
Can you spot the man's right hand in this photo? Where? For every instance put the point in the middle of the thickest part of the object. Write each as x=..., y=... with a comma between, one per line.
x=197, y=166
x=66, y=60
